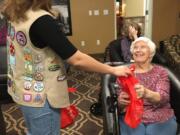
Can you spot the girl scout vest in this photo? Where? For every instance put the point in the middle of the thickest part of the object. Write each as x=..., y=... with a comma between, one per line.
x=34, y=75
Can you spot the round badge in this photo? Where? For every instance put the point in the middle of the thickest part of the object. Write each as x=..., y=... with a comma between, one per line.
x=27, y=85
x=38, y=86
x=21, y=38
x=38, y=76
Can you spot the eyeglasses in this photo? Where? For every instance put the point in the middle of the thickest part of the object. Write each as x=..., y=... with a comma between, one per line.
x=138, y=48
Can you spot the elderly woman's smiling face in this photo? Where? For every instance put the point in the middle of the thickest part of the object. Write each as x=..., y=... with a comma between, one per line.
x=141, y=52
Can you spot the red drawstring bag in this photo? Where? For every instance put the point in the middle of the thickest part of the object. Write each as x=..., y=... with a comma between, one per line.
x=134, y=110
x=68, y=114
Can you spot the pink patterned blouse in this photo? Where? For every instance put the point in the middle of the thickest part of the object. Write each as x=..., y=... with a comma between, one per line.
x=157, y=80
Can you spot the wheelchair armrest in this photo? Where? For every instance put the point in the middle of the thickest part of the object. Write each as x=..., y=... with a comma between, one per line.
x=110, y=117
x=174, y=93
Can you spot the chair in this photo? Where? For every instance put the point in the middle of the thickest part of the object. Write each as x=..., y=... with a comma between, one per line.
x=112, y=51
x=109, y=102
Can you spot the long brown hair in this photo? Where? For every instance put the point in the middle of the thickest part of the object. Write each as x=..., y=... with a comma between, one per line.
x=14, y=10
x=125, y=29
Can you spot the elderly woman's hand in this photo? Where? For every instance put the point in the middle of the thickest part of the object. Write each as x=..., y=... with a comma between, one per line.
x=140, y=90
x=123, y=99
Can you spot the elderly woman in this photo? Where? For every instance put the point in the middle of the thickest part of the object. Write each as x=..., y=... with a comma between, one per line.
x=158, y=117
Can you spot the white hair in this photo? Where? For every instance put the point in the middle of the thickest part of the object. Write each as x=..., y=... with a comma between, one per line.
x=148, y=42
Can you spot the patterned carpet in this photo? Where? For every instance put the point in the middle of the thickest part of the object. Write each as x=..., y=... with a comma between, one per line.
x=88, y=85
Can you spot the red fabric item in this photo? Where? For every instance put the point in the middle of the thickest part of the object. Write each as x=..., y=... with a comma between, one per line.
x=68, y=115
x=134, y=110
x=71, y=89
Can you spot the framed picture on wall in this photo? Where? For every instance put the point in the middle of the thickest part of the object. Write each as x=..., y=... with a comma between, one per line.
x=64, y=19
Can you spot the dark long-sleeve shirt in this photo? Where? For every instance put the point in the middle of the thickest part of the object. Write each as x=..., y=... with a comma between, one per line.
x=46, y=31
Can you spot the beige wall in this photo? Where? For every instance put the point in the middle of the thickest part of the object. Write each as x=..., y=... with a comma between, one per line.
x=178, y=19
x=165, y=19
x=134, y=8
x=92, y=28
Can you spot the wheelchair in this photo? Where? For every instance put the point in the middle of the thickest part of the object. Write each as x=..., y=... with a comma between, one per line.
x=110, y=104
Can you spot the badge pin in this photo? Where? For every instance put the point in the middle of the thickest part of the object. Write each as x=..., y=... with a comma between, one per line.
x=21, y=38
x=38, y=86
x=27, y=97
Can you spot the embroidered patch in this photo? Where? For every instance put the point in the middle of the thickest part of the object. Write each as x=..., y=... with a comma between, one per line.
x=27, y=85
x=12, y=60
x=28, y=68
x=27, y=54
x=38, y=86
x=27, y=97
x=61, y=78
x=10, y=71
x=39, y=67
x=16, y=97
x=21, y=38
x=54, y=67
x=38, y=76
x=9, y=82
x=38, y=58
x=12, y=49
x=38, y=98
x=12, y=32
x=28, y=78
